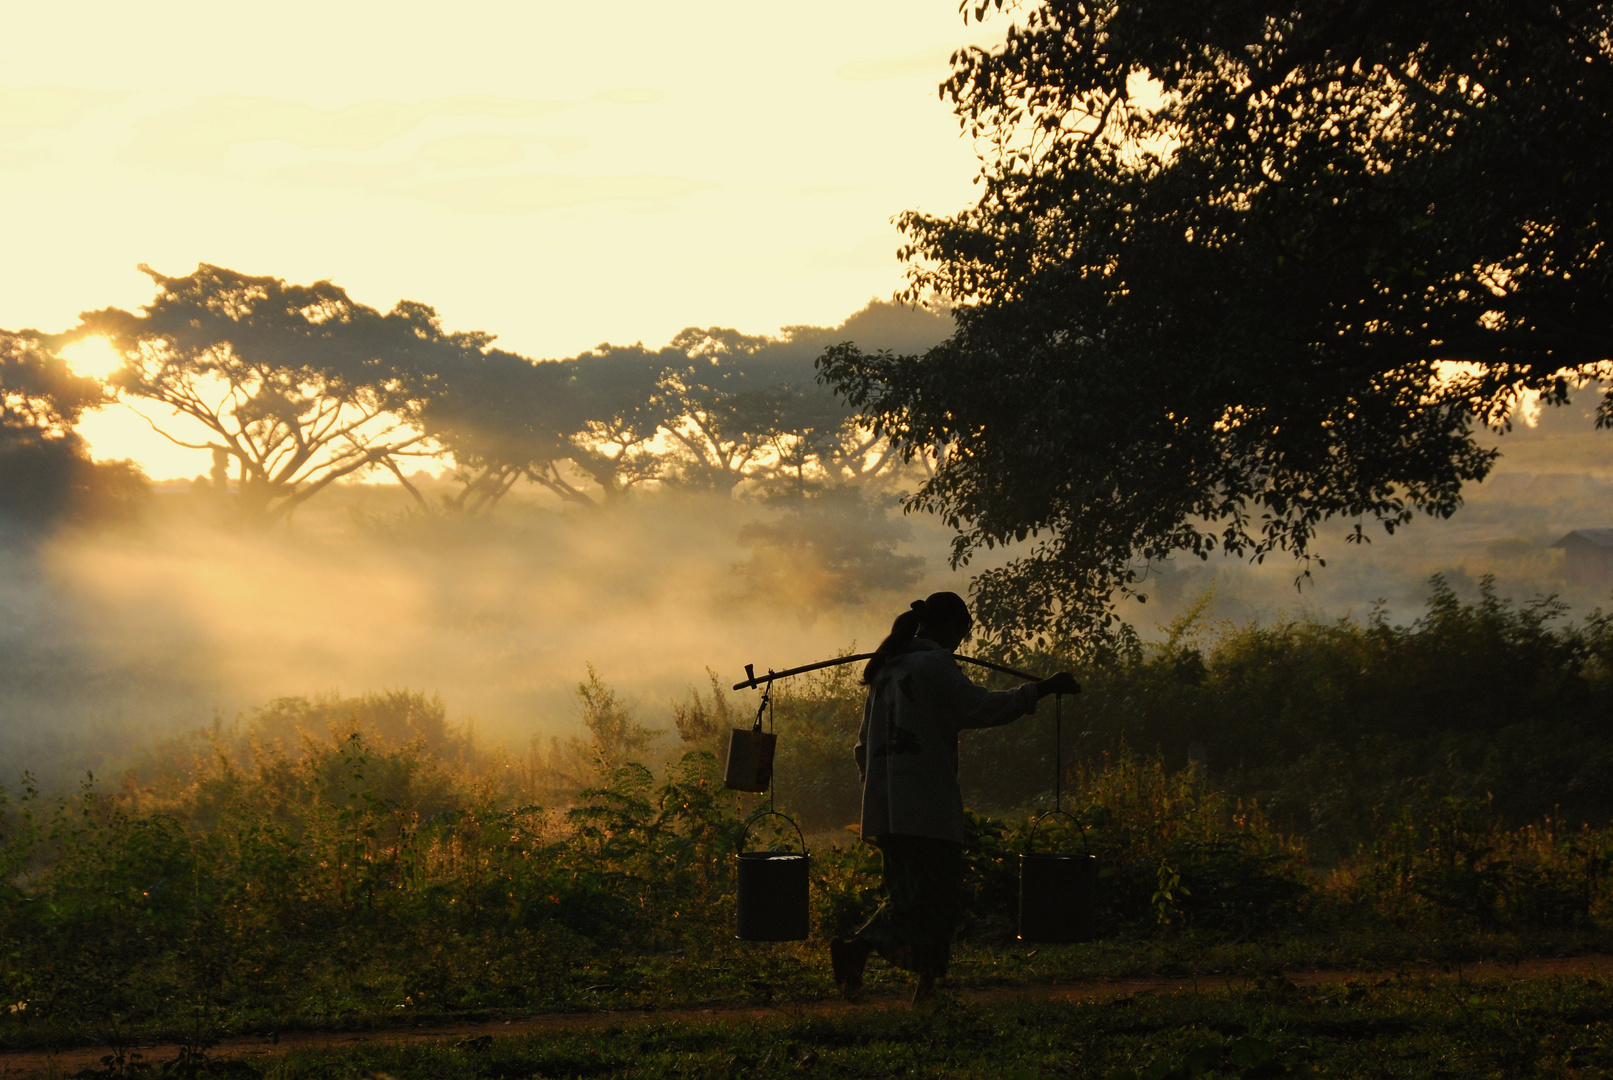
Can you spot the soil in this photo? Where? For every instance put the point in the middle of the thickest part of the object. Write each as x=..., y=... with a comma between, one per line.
x=257, y=1048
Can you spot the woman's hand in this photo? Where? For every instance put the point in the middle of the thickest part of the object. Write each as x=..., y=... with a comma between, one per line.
x=1062, y=683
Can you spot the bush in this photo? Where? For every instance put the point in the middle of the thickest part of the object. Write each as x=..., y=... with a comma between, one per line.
x=385, y=866
x=1331, y=727
x=1456, y=866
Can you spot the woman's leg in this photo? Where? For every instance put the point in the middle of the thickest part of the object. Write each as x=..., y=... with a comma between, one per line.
x=923, y=880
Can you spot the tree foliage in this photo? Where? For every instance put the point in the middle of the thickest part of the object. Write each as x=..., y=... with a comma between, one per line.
x=45, y=466
x=713, y=410
x=299, y=385
x=296, y=387
x=1242, y=268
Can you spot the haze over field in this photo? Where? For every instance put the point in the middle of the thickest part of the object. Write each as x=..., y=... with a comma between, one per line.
x=116, y=637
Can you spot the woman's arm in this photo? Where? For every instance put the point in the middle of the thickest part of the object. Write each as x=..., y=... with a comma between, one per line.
x=982, y=708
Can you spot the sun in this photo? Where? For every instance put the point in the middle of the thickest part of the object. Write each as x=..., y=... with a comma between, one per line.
x=92, y=357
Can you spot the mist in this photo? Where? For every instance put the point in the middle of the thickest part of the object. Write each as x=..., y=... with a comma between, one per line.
x=117, y=636
x=1554, y=475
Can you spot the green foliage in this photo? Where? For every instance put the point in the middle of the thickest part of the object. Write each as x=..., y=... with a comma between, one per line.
x=818, y=716
x=1335, y=728
x=1170, y=852
x=381, y=868
x=1458, y=866
x=618, y=738
x=347, y=878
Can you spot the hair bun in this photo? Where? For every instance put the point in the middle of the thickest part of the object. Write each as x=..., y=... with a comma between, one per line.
x=918, y=606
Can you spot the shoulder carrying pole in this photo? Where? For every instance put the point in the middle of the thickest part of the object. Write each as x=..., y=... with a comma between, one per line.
x=753, y=679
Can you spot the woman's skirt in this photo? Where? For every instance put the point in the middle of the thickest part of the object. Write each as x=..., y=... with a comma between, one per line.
x=923, y=900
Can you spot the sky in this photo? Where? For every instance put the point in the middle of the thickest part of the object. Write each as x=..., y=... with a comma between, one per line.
x=558, y=175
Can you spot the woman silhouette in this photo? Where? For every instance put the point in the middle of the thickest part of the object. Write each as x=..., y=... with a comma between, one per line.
x=907, y=752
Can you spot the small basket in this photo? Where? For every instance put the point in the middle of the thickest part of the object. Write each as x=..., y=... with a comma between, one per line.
x=750, y=759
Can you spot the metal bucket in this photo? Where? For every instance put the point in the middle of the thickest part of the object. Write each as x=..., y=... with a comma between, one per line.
x=772, y=894
x=1057, y=892
x=750, y=759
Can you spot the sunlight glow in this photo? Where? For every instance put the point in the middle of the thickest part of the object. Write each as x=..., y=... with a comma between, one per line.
x=92, y=357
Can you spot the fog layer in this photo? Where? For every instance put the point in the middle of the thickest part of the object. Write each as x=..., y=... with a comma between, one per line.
x=114, y=637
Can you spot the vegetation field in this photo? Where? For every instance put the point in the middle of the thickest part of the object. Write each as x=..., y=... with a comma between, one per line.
x=357, y=864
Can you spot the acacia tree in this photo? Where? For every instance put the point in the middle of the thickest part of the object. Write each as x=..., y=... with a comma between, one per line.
x=721, y=419
x=298, y=385
x=1241, y=268
x=504, y=418
x=818, y=446
x=619, y=398
x=41, y=398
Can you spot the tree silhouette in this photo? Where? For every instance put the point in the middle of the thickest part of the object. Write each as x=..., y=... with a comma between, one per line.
x=713, y=409
x=722, y=418
x=45, y=467
x=298, y=384
x=1242, y=268
x=618, y=394
x=503, y=418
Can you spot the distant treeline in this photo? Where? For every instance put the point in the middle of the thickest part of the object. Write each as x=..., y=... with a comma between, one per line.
x=297, y=387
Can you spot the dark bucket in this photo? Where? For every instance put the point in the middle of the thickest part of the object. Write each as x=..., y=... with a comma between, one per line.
x=772, y=892
x=1057, y=895
x=750, y=760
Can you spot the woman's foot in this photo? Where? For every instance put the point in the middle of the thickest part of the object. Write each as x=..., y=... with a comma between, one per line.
x=848, y=958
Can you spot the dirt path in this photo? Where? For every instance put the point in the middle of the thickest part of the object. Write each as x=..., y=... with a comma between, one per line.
x=258, y=1047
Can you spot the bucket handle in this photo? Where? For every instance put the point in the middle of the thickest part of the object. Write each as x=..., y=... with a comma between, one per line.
x=744, y=833
x=1036, y=823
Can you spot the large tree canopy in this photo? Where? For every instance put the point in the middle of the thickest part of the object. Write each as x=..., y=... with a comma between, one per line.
x=1240, y=268
x=298, y=384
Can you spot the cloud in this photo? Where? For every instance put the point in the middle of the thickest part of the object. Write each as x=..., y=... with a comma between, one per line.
x=488, y=151
x=204, y=131
x=27, y=110
x=530, y=193
x=629, y=95
x=932, y=62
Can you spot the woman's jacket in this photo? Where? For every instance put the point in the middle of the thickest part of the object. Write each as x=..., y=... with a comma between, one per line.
x=908, y=748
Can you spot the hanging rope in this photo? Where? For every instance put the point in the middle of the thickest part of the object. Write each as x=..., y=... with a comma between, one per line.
x=772, y=781
x=1058, y=751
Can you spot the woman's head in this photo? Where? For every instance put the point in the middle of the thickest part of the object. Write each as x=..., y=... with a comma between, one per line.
x=941, y=617
x=944, y=619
